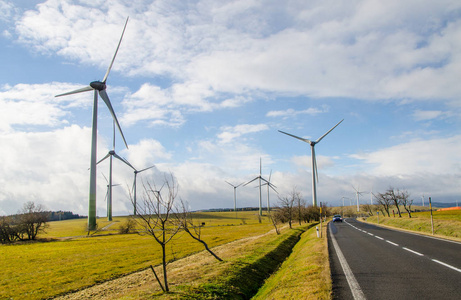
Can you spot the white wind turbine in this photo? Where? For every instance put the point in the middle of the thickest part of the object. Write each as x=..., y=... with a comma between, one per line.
x=315, y=176
x=235, y=193
x=109, y=190
x=98, y=87
x=136, y=172
x=269, y=184
x=109, y=155
x=358, y=193
x=258, y=178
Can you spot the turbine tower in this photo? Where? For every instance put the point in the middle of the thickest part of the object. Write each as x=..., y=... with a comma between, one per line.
x=315, y=176
x=109, y=155
x=99, y=87
x=235, y=197
x=259, y=178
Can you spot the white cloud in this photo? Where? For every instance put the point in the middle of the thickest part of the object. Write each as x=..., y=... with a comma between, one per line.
x=35, y=104
x=290, y=113
x=360, y=50
x=230, y=133
x=425, y=115
x=436, y=156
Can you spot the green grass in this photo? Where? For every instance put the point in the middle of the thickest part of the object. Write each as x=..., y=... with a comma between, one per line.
x=241, y=276
x=45, y=269
x=446, y=223
x=305, y=274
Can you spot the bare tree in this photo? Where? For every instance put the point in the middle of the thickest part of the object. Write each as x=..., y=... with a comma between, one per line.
x=384, y=202
x=300, y=205
x=156, y=216
x=368, y=208
x=185, y=218
x=32, y=220
x=394, y=195
x=274, y=220
x=286, y=211
x=405, y=201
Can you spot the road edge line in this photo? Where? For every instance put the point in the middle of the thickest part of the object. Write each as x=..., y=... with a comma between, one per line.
x=357, y=292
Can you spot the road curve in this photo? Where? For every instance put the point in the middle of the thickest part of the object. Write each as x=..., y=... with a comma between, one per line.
x=391, y=264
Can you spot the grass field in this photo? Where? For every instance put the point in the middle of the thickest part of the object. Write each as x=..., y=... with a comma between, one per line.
x=44, y=269
x=446, y=223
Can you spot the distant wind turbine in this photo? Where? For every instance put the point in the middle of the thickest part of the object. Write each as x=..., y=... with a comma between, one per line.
x=136, y=172
x=258, y=178
x=235, y=197
x=315, y=176
x=358, y=193
x=269, y=184
x=98, y=87
x=109, y=155
x=107, y=198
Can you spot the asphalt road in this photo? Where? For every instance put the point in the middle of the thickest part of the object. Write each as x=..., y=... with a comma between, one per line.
x=389, y=264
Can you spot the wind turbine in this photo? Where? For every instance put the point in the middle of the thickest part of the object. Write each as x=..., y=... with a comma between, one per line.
x=107, y=198
x=259, y=178
x=358, y=193
x=98, y=87
x=315, y=175
x=269, y=184
x=109, y=155
x=136, y=172
x=235, y=192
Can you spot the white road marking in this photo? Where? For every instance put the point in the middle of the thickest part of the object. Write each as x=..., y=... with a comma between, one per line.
x=413, y=251
x=392, y=243
x=378, y=237
x=446, y=265
x=353, y=284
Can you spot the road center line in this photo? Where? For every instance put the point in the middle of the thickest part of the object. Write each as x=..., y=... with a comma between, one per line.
x=392, y=243
x=413, y=251
x=353, y=284
x=378, y=237
x=446, y=265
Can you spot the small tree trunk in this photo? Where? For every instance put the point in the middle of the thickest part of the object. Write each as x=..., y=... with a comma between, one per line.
x=164, y=268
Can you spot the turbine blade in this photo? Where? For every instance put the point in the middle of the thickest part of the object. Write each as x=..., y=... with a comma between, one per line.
x=113, y=135
x=270, y=174
x=105, y=97
x=105, y=178
x=240, y=184
x=115, y=54
x=229, y=183
x=146, y=169
x=85, y=89
x=123, y=160
x=273, y=187
x=251, y=181
x=107, y=155
x=296, y=137
x=328, y=131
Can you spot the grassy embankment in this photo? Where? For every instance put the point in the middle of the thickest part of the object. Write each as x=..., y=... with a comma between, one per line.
x=45, y=269
x=305, y=274
x=446, y=223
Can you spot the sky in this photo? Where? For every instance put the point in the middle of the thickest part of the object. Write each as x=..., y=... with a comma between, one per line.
x=201, y=89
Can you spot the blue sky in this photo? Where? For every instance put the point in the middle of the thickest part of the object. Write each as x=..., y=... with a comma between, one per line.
x=201, y=89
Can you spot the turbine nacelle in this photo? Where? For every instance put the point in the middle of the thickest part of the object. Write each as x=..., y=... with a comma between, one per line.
x=98, y=85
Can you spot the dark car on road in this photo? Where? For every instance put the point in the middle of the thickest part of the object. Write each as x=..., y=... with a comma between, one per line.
x=337, y=218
